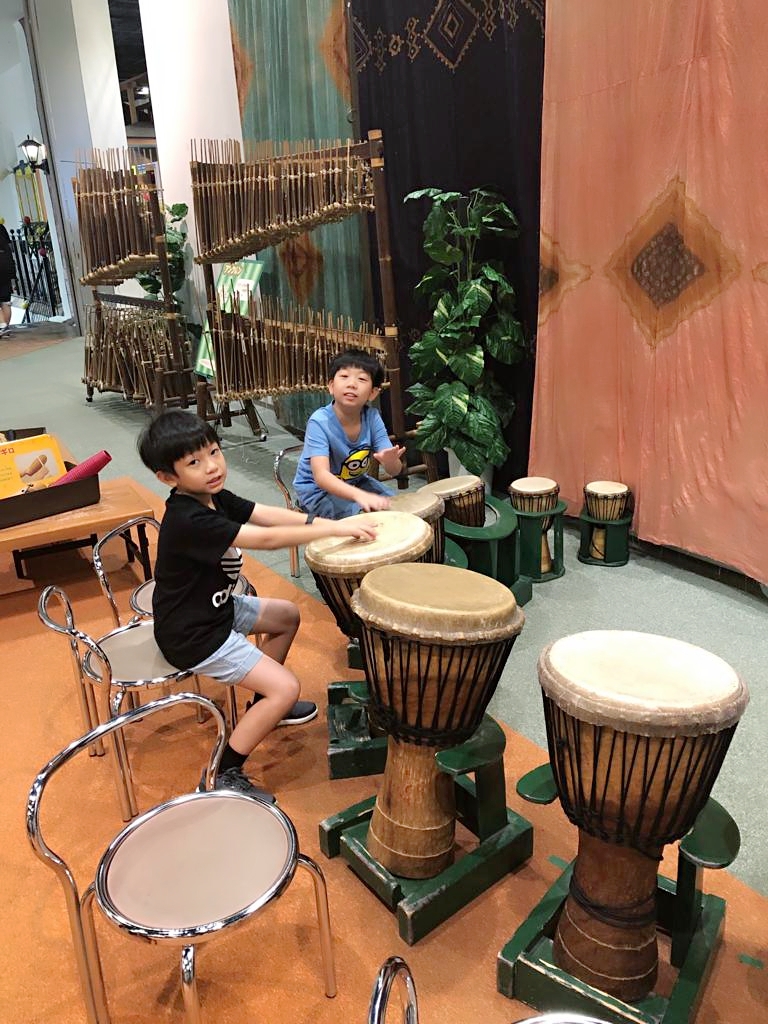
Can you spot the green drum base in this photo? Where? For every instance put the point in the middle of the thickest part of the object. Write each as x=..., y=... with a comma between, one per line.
x=616, y=540
x=505, y=840
x=454, y=555
x=526, y=967
x=529, y=541
x=352, y=751
x=354, y=655
x=490, y=549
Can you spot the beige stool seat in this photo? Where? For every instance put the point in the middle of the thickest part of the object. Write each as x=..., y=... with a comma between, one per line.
x=170, y=874
x=135, y=658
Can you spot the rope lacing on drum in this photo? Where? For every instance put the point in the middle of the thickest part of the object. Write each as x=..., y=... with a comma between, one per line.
x=625, y=916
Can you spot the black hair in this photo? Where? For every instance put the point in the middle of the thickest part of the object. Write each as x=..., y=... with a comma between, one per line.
x=170, y=436
x=358, y=359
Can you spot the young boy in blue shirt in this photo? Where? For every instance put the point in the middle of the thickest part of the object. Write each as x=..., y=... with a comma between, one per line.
x=199, y=624
x=342, y=438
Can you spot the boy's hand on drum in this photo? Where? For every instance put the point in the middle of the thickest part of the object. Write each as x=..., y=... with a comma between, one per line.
x=373, y=502
x=352, y=527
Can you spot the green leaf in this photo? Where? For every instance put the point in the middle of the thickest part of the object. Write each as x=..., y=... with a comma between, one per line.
x=421, y=192
x=475, y=297
x=450, y=404
x=434, y=279
x=423, y=399
x=179, y=210
x=505, y=340
x=503, y=286
x=470, y=453
x=431, y=434
x=443, y=311
x=468, y=365
x=424, y=356
x=443, y=252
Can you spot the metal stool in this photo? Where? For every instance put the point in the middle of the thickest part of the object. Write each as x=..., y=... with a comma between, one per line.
x=168, y=877
x=126, y=660
x=290, y=501
x=393, y=968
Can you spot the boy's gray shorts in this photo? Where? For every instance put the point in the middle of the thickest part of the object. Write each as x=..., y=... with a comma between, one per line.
x=236, y=657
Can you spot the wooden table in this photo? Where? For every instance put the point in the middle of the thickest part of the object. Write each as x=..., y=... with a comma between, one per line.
x=120, y=501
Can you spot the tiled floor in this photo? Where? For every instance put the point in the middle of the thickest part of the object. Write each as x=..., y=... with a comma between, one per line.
x=653, y=593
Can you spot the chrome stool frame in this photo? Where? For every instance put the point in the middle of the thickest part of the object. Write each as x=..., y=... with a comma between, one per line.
x=112, y=892
x=393, y=968
x=100, y=689
x=290, y=502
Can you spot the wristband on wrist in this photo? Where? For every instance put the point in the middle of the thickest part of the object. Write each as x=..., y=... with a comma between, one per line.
x=310, y=518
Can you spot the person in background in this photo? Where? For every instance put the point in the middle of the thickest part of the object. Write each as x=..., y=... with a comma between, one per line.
x=342, y=439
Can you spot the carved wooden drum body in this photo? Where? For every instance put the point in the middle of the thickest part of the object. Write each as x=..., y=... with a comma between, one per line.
x=637, y=727
x=606, y=500
x=464, y=498
x=435, y=640
x=536, y=494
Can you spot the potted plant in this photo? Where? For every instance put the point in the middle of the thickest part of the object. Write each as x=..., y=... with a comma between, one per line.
x=473, y=328
x=175, y=244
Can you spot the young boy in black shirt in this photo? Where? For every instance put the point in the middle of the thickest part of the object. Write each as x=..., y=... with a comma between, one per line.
x=199, y=624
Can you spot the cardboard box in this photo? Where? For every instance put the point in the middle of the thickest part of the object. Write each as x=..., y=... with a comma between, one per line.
x=50, y=501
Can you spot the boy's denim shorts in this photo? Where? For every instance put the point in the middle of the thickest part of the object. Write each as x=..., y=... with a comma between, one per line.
x=236, y=657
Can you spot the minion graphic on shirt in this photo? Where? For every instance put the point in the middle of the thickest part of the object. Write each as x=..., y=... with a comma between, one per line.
x=356, y=464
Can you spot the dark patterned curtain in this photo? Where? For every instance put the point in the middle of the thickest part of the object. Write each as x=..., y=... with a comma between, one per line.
x=456, y=87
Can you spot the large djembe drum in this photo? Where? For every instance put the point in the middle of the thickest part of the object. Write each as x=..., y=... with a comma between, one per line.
x=430, y=508
x=536, y=494
x=435, y=640
x=464, y=498
x=607, y=501
x=637, y=726
x=339, y=563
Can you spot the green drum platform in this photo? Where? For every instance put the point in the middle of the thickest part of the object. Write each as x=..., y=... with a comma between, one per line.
x=526, y=969
x=616, y=539
x=529, y=531
x=493, y=549
x=505, y=840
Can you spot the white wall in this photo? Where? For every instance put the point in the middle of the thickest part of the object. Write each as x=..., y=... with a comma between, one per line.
x=192, y=83
x=81, y=96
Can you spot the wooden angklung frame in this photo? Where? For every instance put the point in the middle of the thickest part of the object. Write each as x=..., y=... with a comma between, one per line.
x=244, y=204
x=138, y=347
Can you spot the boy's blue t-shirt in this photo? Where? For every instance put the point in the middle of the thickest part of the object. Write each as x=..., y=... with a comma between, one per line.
x=349, y=460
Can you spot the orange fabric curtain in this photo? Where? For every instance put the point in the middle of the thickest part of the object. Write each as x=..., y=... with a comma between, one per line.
x=652, y=361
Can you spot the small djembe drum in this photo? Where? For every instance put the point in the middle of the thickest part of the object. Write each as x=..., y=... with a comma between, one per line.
x=536, y=494
x=339, y=563
x=430, y=508
x=606, y=500
x=464, y=498
x=637, y=727
x=435, y=640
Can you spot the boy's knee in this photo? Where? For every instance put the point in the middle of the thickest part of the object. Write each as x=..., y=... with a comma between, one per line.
x=292, y=690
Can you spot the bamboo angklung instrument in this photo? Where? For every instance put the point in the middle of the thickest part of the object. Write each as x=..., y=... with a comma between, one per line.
x=139, y=347
x=244, y=204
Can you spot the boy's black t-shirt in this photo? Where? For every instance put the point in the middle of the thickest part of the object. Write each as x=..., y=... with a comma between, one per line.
x=195, y=573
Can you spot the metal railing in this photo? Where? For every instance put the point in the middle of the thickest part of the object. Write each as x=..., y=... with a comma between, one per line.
x=36, y=278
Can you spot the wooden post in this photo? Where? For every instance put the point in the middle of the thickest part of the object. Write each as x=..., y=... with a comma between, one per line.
x=389, y=306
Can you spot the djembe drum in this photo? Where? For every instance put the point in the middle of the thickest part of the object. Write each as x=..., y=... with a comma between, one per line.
x=435, y=640
x=606, y=500
x=464, y=498
x=536, y=494
x=430, y=508
x=637, y=727
x=339, y=563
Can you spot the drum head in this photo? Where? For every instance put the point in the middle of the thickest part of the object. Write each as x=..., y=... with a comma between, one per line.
x=533, y=485
x=437, y=602
x=453, y=485
x=606, y=488
x=421, y=503
x=641, y=683
x=400, y=537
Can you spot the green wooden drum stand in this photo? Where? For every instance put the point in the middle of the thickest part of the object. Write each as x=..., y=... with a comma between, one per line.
x=616, y=539
x=352, y=751
x=493, y=549
x=525, y=967
x=529, y=534
x=505, y=839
